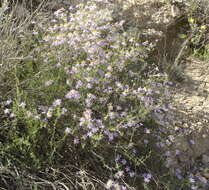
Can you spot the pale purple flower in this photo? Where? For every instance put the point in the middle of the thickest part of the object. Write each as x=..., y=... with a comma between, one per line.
x=123, y=161
x=109, y=184
x=7, y=111
x=48, y=83
x=58, y=65
x=108, y=75
x=123, y=187
x=147, y=177
x=158, y=137
x=191, y=180
x=91, y=96
x=134, y=150
x=22, y=104
x=49, y=113
x=192, y=142
x=43, y=109
x=147, y=131
x=101, y=73
x=29, y=113
x=94, y=130
x=171, y=138
x=68, y=82
x=168, y=143
x=162, y=144
x=58, y=42
x=115, y=134
x=57, y=102
x=79, y=84
x=118, y=157
x=119, y=174
x=127, y=168
x=124, y=93
x=12, y=115
x=68, y=130
x=141, y=89
x=112, y=115
x=89, y=134
x=119, y=108
x=76, y=141
x=74, y=70
x=146, y=180
x=82, y=121
x=8, y=102
x=178, y=173
x=168, y=153
x=88, y=103
x=87, y=114
x=168, y=162
x=123, y=114
x=90, y=125
x=177, y=152
x=146, y=141
x=73, y=94
x=84, y=137
x=89, y=85
x=59, y=12
x=37, y=117
x=132, y=174
x=63, y=111
x=110, y=136
x=178, y=170
x=101, y=126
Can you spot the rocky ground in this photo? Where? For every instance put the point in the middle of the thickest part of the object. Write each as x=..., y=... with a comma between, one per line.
x=191, y=122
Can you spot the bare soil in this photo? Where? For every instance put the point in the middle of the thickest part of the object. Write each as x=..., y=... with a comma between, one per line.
x=191, y=114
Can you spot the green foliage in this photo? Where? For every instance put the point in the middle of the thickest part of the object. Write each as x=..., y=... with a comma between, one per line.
x=199, y=42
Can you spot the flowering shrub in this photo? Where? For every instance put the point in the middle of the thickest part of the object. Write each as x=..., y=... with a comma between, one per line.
x=104, y=69
x=92, y=96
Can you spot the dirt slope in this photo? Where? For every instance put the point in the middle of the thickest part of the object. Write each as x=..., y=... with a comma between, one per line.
x=190, y=149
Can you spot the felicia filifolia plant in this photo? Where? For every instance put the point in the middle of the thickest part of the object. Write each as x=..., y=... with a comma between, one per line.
x=95, y=90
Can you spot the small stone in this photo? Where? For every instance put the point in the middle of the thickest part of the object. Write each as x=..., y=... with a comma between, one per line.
x=203, y=180
x=206, y=175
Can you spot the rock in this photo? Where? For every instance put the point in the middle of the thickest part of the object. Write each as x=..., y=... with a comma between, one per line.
x=206, y=175
x=203, y=180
